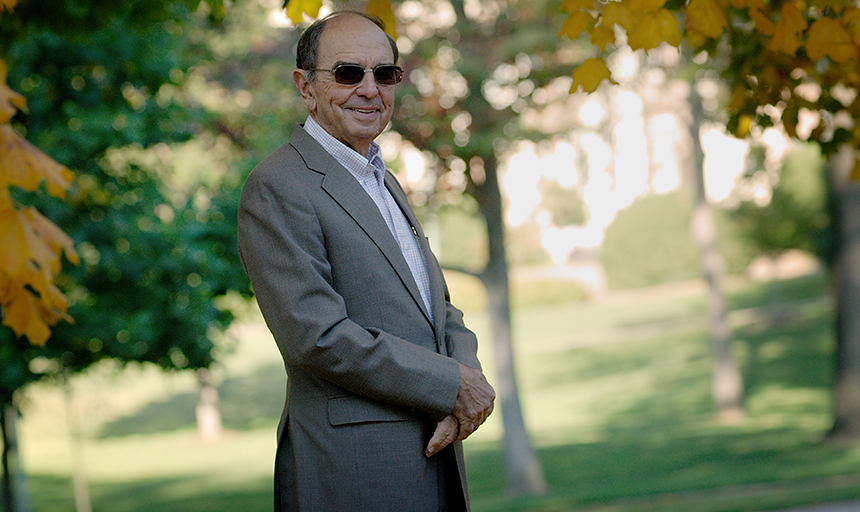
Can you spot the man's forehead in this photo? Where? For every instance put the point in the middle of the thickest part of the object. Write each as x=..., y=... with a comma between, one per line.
x=352, y=34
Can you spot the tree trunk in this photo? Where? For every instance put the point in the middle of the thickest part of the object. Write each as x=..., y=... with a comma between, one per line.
x=15, y=496
x=524, y=471
x=208, y=415
x=845, y=197
x=80, y=483
x=726, y=381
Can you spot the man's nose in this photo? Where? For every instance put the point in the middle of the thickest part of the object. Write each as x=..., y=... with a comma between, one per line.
x=368, y=87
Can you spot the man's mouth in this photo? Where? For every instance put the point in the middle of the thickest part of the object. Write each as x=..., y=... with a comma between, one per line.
x=364, y=110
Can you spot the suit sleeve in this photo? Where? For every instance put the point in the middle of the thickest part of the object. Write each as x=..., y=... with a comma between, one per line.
x=284, y=253
x=461, y=341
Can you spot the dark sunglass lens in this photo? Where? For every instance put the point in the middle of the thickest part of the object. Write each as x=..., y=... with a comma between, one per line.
x=348, y=75
x=387, y=75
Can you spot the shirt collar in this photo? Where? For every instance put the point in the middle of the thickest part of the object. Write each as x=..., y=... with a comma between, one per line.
x=355, y=163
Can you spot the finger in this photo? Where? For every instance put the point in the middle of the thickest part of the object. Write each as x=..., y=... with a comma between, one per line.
x=466, y=429
x=440, y=439
x=446, y=432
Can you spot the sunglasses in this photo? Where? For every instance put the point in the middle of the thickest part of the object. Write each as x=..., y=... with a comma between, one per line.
x=352, y=74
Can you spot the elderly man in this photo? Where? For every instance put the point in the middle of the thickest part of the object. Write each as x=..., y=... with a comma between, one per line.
x=383, y=377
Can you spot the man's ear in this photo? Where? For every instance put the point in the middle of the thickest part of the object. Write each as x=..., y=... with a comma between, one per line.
x=305, y=88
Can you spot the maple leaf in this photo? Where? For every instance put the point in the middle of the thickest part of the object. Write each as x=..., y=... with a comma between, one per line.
x=576, y=5
x=851, y=19
x=13, y=261
x=382, y=10
x=576, y=24
x=836, y=6
x=789, y=27
x=30, y=301
x=589, y=75
x=762, y=22
x=646, y=5
x=602, y=36
x=827, y=37
x=10, y=101
x=53, y=237
x=616, y=13
x=654, y=29
x=296, y=8
x=23, y=165
x=25, y=317
x=855, y=172
x=32, y=245
x=705, y=17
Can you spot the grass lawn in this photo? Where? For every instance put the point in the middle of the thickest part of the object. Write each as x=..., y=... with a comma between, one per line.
x=615, y=391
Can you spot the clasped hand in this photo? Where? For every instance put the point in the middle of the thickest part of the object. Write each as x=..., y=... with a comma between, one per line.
x=474, y=404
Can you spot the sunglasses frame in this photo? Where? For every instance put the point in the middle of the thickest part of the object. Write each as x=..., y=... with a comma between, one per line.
x=398, y=73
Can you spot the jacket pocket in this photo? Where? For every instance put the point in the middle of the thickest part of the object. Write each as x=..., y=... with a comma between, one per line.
x=350, y=409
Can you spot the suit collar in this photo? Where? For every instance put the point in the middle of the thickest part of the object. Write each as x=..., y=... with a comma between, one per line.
x=348, y=193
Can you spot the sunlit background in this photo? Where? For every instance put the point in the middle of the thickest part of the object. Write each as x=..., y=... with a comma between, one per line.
x=614, y=368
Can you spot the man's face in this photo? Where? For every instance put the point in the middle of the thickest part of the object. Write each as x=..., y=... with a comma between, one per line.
x=353, y=114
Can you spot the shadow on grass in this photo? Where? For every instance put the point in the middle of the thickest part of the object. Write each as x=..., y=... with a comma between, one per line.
x=653, y=444
x=185, y=494
x=246, y=403
x=735, y=473
x=662, y=444
x=766, y=295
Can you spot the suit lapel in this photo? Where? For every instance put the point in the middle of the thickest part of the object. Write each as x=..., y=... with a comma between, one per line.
x=348, y=193
x=437, y=292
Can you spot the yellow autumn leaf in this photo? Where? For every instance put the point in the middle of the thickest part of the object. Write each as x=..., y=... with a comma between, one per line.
x=33, y=246
x=382, y=10
x=654, y=29
x=737, y=98
x=24, y=316
x=645, y=5
x=705, y=17
x=10, y=101
x=695, y=39
x=577, y=23
x=589, y=75
x=576, y=5
x=855, y=172
x=13, y=258
x=602, y=36
x=616, y=13
x=7, y=5
x=827, y=37
x=295, y=9
x=789, y=28
x=762, y=22
x=25, y=166
x=851, y=19
x=743, y=128
x=836, y=6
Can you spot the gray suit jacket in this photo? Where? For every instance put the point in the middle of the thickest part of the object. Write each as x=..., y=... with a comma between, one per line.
x=368, y=373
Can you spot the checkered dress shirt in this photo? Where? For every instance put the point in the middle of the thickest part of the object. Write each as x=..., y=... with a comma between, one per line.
x=370, y=173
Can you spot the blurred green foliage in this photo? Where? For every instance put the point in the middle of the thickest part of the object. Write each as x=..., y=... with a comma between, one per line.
x=148, y=103
x=796, y=217
x=650, y=243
